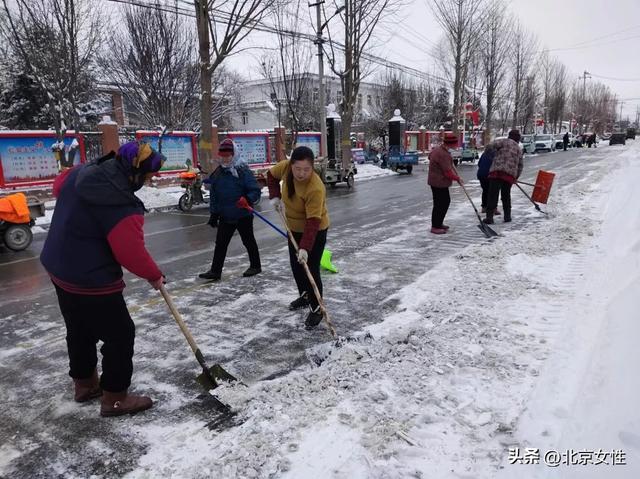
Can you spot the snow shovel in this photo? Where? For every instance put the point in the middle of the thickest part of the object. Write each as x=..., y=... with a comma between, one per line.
x=325, y=262
x=488, y=232
x=209, y=374
x=529, y=197
x=325, y=314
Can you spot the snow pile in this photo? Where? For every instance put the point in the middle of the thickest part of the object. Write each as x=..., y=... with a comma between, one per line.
x=369, y=172
x=153, y=197
x=439, y=387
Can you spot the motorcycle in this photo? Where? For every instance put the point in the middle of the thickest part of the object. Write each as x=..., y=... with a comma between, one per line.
x=16, y=220
x=194, y=194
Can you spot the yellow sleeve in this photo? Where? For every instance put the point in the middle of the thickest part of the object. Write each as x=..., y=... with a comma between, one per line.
x=314, y=203
x=279, y=169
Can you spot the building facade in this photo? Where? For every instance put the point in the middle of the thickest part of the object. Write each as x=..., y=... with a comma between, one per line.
x=261, y=106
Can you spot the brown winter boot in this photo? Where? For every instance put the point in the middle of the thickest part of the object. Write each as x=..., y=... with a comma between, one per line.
x=88, y=388
x=118, y=404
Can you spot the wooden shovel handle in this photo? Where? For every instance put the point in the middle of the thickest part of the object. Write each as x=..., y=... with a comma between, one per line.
x=179, y=320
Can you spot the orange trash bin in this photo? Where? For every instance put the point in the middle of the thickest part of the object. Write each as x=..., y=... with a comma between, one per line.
x=542, y=188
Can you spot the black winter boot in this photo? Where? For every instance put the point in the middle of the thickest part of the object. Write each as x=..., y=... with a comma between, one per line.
x=313, y=319
x=507, y=216
x=489, y=219
x=210, y=275
x=251, y=272
x=301, y=302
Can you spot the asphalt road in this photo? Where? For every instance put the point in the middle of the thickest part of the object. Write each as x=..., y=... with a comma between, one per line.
x=380, y=240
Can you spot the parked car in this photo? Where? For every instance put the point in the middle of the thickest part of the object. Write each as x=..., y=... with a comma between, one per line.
x=358, y=155
x=528, y=144
x=545, y=142
x=559, y=144
x=606, y=135
x=618, y=139
x=505, y=137
x=631, y=133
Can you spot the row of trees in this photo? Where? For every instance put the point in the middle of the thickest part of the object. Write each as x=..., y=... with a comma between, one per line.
x=492, y=61
x=58, y=63
x=57, y=59
x=167, y=61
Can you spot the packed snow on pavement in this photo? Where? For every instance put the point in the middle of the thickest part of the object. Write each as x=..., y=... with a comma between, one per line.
x=526, y=341
x=492, y=349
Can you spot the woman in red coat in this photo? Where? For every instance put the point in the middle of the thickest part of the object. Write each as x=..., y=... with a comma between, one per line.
x=441, y=175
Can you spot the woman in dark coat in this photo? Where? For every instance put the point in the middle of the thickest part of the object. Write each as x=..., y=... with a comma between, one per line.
x=229, y=182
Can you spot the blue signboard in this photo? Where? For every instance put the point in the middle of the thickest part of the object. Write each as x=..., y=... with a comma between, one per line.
x=29, y=159
x=312, y=141
x=251, y=149
x=177, y=148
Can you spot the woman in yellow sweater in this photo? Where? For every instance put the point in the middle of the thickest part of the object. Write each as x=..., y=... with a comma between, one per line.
x=303, y=196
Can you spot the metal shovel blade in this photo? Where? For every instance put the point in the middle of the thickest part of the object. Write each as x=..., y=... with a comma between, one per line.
x=488, y=232
x=207, y=379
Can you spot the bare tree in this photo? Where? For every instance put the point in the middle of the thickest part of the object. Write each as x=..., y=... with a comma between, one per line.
x=523, y=49
x=56, y=42
x=226, y=96
x=558, y=95
x=360, y=19
x=596, y=105
x=494, y=52
x=529, y=97
x=222, y=26
x=461, y=21
x=152, y=63
x=287, y=70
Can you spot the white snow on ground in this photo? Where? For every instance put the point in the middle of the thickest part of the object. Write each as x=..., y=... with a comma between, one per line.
x=368, y=171
x=524, y=341
x=153, y=197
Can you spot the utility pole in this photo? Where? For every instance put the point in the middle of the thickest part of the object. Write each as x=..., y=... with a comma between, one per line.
x=620, y=122
x=321, y=93
x=205, y=144
x=584, y=77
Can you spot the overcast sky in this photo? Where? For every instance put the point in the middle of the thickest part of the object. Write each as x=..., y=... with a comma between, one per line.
x=590, y=35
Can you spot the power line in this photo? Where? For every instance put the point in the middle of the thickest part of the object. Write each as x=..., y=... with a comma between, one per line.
x=604, y=36
x=616, y=79
x=591, y=46
x=263, y=27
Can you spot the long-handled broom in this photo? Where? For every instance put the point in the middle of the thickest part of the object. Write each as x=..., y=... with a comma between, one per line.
x=325, y=261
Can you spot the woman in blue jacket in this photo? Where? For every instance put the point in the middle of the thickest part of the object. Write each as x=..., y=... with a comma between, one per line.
x=484, y=165
x=229, y=182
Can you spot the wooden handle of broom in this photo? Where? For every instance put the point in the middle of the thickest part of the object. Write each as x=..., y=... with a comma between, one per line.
x=325, y=314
